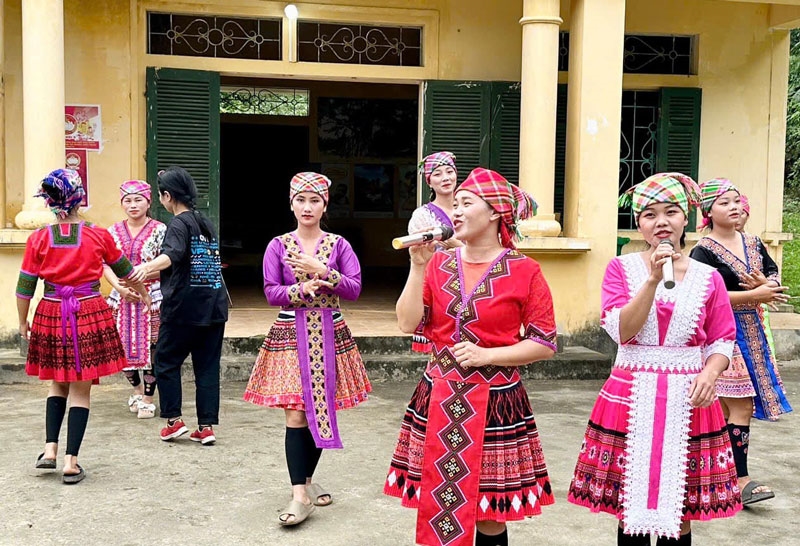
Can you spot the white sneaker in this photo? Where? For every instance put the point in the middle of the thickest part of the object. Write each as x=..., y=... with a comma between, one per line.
x=133, y=402
x=146, y=411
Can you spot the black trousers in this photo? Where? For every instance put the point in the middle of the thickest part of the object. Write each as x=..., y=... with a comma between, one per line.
x=175, y=343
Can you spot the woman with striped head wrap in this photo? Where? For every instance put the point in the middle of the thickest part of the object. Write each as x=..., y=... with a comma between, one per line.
x=751, y=386
x=309, y=364
x=139, y=236
x=657, y=414
x=441, y=175
x=487, y=310
x=73, y=340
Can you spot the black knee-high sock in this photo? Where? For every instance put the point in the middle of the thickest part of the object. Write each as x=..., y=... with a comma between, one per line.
x=312, y=452
x=76, y=427
x=133, y=377
x=56, y=407
x=149, y=382
x=685, y=540
x=740, y=441
x=491, y=540
x=296, y=455
x=631, y=540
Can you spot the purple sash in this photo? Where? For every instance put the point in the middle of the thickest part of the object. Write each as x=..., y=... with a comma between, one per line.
x=316, y=353
x=70, y=305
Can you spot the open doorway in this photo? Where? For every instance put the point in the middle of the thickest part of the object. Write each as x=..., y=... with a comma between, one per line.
x=362, y=136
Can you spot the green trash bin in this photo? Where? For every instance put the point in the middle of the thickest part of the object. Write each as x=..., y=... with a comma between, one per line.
x=622, y=241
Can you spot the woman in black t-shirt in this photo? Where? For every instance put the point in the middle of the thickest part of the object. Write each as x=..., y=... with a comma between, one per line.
x=194, y=308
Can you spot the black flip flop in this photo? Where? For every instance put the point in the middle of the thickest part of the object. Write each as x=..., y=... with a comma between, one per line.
x=74, y=478
x=47, y=464
x=748, y=497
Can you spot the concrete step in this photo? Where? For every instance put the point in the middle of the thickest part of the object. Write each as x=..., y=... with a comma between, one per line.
x=573, y=363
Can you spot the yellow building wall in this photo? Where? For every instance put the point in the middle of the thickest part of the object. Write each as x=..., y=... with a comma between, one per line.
x=472, y=39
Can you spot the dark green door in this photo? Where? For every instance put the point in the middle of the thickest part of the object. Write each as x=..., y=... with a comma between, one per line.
x=183, y=130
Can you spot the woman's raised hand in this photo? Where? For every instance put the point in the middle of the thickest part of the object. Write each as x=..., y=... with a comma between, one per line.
x=751, y=281
x=661, y=255
x=769, y=294
x=303, y=263
x=139, y=275
x=310, y=288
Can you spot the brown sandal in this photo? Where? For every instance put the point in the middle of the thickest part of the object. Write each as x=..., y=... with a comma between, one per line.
x=300, y=511
x=316, y=492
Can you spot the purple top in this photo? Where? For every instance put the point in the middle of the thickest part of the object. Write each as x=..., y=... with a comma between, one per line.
x=280, y=284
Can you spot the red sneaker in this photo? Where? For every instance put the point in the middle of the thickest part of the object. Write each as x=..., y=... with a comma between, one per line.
x=170, y=432
x=205, y=436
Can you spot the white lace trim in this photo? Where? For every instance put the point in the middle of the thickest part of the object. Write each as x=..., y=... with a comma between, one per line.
x=610, y=323
x=690, y=296
x=722, y=347
x=665, y=518
x=646, y=358
x=636, y=274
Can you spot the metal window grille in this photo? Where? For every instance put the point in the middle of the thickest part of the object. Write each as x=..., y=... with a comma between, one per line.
x=267, y=101
x=210, y=36
x=359, y=44
x=637, y=155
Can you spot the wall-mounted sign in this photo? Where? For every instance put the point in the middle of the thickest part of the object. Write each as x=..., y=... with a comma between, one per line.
x=83, y=129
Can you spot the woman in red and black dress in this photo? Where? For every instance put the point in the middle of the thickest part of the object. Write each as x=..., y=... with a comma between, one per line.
x=469, y=453
x=73, y=338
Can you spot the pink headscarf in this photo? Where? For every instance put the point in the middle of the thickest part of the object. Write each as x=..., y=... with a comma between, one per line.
x=434, y=161
x=745, y=202
x=134, y=187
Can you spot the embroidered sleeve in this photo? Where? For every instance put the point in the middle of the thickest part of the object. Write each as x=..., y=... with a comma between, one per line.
x=26, y=285
x=31, y=264
x=122, y=267
x=538, y=320
x=615, y=295
x=296, y=296
x=720, y=347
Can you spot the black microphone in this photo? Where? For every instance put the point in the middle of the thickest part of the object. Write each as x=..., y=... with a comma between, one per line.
x=667, y=270
x=440, y=233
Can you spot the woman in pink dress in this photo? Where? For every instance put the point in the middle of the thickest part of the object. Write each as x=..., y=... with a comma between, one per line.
x=139, y=237
x=656, y=452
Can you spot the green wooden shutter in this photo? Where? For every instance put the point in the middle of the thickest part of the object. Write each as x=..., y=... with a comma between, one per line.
x=504, y=135
x=183, y=130
x=678, y=133
x=456, y=119
x=561, y=151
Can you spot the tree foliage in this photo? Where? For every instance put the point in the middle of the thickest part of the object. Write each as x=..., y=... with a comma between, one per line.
x=792, y=186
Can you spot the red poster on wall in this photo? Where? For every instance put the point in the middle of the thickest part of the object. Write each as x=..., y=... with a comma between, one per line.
x=77, y=160
x=83, y=128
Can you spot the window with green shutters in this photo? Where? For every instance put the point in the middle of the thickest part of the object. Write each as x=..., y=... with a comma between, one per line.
x=183, y=130
x=678, y=134
x=477, y=121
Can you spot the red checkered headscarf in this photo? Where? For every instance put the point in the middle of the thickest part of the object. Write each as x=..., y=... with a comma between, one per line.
x=508, y=200
x=434, y=161
x=309, y=181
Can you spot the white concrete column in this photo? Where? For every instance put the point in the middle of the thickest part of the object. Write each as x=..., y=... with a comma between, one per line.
x=43, y=102
x=537, y=140
x=597, y=31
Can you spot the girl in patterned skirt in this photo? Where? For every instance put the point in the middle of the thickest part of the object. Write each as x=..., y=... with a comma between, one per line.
x=468, y=457
x=752, y=386
x=73, y=340
x=309, y=364
x=139, y=237
x=656, y=453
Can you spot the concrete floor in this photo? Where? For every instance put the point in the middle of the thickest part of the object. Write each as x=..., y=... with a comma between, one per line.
x=141, y=491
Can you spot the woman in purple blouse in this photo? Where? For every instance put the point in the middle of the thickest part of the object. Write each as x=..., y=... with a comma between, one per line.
x=309, y=364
